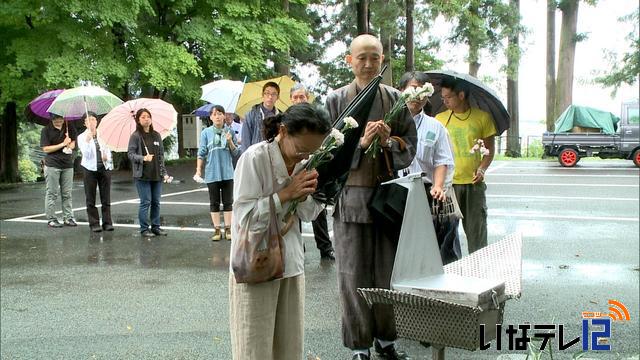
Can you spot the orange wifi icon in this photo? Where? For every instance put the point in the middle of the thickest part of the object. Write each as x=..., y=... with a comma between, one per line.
x=618, y=312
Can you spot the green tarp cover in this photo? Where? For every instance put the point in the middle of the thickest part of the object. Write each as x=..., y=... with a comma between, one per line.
x=586, y=117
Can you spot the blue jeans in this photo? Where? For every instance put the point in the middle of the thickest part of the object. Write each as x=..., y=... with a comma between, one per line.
x=149, y=193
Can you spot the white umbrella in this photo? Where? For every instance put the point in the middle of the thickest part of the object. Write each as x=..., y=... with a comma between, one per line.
x=78, y=101
x=223, y=92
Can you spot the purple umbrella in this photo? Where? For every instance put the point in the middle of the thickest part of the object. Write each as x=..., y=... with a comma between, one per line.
x=36, y=111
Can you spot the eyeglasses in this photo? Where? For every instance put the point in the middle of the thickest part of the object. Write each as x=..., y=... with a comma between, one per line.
x=299, y=153
x=270, y=94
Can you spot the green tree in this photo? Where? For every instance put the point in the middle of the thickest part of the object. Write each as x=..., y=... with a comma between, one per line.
x=139, y=48
x=479, y=24
x=386, y=20
x=513, y=65
x=569, y=37
x=625, y=70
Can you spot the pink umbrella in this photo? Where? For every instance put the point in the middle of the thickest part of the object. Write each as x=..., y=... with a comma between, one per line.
x=118, y=125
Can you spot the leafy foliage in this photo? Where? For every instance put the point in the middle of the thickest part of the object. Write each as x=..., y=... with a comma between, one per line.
x=386, y=18
x=480, y=24
x=627, y=69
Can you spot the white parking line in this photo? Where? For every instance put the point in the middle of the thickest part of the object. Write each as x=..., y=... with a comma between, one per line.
x=136, y=226
x=561, y=217
x=129, y=201
x=565, y=175
x=630, y=169
x=560, y=184
x=496, y=167
x=562, y=197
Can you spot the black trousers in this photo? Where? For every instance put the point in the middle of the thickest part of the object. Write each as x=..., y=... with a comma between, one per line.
x=100, y=179
x=224, y=186
x=321, y=233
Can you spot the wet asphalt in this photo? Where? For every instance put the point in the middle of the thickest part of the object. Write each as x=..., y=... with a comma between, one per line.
x=71, y=294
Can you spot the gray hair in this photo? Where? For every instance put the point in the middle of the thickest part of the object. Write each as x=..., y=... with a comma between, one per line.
x=296, y=87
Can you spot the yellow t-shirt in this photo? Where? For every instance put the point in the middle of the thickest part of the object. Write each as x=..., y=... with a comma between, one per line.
x=463, y=133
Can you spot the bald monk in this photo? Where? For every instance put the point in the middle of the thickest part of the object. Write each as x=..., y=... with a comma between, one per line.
x=364, y=251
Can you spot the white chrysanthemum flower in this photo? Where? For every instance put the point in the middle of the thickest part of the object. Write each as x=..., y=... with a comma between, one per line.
x=484, y=151
x=475, y=148
x=480, y=142
x=428, y=89
x=350, y=123
x=337, y=136
x=409, y=92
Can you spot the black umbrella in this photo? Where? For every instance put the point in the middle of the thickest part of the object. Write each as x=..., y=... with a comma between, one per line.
x=332, y=175
x=480, y=96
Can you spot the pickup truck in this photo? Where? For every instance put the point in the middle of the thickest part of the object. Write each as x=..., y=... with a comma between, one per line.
x=569, y=147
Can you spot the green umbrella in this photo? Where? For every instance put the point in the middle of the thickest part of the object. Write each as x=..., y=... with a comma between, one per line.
x=80, y=100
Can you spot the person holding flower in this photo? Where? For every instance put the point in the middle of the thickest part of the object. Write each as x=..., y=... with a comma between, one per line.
x=466, y=125
x=266, y=319
x=365, y=251
x=218, y=145
x=434, y=157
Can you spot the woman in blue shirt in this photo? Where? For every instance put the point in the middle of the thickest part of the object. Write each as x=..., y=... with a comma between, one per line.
x=218, y=145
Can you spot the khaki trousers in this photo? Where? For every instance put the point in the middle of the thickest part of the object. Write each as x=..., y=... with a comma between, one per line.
x=267, y=319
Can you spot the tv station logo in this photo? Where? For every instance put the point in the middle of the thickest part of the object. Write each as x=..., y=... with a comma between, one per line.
x=596, y=331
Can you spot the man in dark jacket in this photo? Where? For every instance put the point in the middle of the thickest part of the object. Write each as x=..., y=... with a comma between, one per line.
x=253, y=120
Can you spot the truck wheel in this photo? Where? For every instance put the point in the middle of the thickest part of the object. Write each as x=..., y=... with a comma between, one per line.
x=568, y=157
x=636, y=157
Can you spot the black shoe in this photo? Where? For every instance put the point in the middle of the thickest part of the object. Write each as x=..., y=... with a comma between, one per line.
x=329, y=255
x=96, y=229
x=159, y=232
x=107, y=227
x=70, y=222
x=148, y=234
x=54, y=224
x=390, y=352
x=361, y=356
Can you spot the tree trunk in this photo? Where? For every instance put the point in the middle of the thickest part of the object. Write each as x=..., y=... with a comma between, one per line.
x=362, y=11
x=387, y=50
x=513, y=64
x=409, y=64
x=474, y=56
x=474, y=49
x=551, y=64
x=282, y=67
x=125, y=91
x=9, y=144
x=566, y=57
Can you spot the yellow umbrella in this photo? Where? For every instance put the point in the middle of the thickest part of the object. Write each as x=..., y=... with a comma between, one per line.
x=252, y=94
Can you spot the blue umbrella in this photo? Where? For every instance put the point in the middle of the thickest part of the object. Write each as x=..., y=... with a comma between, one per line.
x=203, y=111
